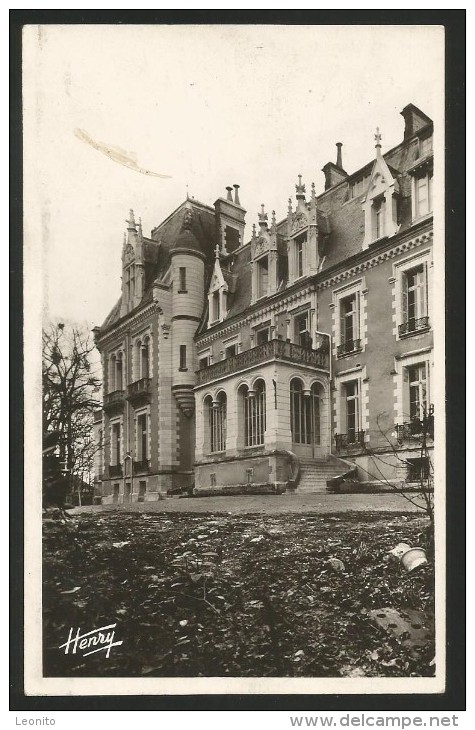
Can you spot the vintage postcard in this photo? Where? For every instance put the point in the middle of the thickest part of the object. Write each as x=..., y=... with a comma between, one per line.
x=234, y=359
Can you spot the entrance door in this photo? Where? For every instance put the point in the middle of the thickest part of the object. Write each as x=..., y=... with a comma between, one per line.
x=127, y=492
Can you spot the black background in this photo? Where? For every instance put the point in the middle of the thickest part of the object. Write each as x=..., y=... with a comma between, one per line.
x=454, y=696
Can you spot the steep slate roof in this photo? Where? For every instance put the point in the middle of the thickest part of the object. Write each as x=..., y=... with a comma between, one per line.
x=166, y=236
x=340, y=222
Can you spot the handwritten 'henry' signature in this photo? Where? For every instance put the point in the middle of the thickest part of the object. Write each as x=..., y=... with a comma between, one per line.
x=101, y=639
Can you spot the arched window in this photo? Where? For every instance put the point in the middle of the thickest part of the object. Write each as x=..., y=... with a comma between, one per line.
x=300, y=413
x=145, y=358
x=254, y=413
x=215, y=423
x=119, y=373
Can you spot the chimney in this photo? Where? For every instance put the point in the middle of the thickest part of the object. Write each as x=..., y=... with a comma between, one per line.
x=339, y=162
x=229, y=196
x=414, y=120
x=236, y=194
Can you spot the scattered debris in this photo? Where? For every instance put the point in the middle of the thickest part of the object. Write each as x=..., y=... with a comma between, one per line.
x=406, y=624
x=410, y=557
x=121, y=544
x=336, y=564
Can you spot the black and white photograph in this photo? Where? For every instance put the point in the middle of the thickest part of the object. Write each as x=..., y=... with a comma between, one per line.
x=234, y=359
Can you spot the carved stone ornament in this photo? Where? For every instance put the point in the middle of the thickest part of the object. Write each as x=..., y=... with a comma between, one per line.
x=299, y=221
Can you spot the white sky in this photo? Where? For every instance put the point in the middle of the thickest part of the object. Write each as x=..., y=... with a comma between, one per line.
x=208, y=105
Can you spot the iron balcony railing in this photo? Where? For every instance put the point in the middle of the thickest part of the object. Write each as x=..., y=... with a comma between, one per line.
x=115, y=470
x=416, y=429
x=413, y=325
x=349, y=440
x=140, y=389
x=348, y=347
x=272, y=350
x=114, y=399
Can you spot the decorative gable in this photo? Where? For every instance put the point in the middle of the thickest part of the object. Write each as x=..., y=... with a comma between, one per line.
x=380, y=202
x=217, y=293
x=302, y=234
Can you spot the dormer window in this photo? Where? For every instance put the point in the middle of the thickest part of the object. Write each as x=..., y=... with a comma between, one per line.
x=380, y=202
x=425, y=146
x=216, y=313
x=378, y=214
x=300, y=245
x=262, y=276
x=422, y=193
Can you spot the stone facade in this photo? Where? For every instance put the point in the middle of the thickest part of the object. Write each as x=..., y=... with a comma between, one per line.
x=235, y=362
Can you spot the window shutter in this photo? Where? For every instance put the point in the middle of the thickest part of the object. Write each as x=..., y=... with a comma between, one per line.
x=342, y=323
x=404, y=298
x=356, y=317
x=424, y=291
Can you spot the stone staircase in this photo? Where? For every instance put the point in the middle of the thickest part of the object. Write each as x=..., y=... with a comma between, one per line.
x=314, y=473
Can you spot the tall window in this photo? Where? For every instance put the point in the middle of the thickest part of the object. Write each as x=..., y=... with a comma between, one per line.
x=142, y=437
x=414, y=298
x=262, y=276
x=230, y=350
x=351, y=394
x=215, y=423
x=145, y=358
x=115, y=444
x=349, y=324
x=216, y=307
x=300, y=255
x=254, y=414
x=300, y=414
x=112, y=364
x=183, y=357
x=423, y=195
x=203, y=362
x=182, y=287
x=119, y=383
x=262, y=335
x=302, y=330
x=378, y=218
x=417, y=378
x=425, y=146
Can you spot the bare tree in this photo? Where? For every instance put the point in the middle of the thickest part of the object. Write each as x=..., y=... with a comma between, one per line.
x=418, y=430
x=70, y=396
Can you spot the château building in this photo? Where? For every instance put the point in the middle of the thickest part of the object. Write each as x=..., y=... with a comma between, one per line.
x=281, y=358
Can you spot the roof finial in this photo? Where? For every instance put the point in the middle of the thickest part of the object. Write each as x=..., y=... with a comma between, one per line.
x=290, y=206
x=262, y=217
x=131, y=221
x=300, y=189
x=273, y=218
x=253, y=230
x=216, y=251
x=377, y=137
x=140, y=227
x=187, y=192
x=313, y=194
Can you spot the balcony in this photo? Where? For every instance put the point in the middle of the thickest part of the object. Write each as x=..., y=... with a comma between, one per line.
x=415, y=429
x=268, y=351
x=115, y=470
x=351, y=440
x=413, y=325
x=114, y=401
x=348, y=348
x=142, y=466
x=140, y=391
